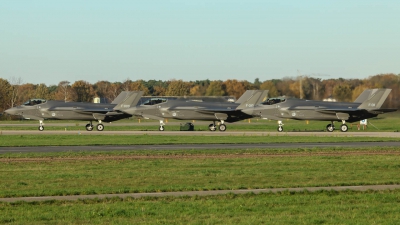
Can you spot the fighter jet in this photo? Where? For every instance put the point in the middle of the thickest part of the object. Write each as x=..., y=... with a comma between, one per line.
x=195, y=109
x=367, y=105
x=41, y=109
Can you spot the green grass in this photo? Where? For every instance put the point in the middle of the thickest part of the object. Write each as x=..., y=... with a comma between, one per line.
x=97, y=173
x=81, y=139
x=324, y=207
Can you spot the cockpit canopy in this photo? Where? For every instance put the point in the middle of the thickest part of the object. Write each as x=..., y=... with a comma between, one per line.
x=155, y=101
x=272, y=101
x=35, y=102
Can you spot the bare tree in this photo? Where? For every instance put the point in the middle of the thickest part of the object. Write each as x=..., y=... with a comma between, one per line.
x=15, y=84
x=126, y=84
x=64, y=87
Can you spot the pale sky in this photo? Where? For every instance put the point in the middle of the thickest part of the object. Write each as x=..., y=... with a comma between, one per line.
x=50, y=41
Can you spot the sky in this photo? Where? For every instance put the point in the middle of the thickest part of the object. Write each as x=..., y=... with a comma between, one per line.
x=47, y=41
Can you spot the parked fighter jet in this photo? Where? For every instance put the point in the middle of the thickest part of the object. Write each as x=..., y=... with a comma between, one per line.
x=367, y=105
x=182, y=109
x=40, y=109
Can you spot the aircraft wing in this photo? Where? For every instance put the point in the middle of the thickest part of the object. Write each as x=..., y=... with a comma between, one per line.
x=356, y=110
x=81, y=109
x=210, y=111
x=31, y=117
x=93, y=110
x=333, y=111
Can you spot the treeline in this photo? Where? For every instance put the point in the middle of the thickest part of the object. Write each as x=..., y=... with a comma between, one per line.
x=14, y=92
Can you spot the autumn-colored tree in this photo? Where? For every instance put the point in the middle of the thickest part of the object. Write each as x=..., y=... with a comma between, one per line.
x=270, y=86
x=257, y=83
x=126, y=85
x=342, y=92
x=215, y=89
x=199, y=87
x=27, y=91
x=152, y=85
x=317, y=88
x=42, y=92
x=295, y=89
x=138, y=86
x=328, y=86
x=114, y=90
x=5, y=94
x=195, y=91
x=84, y=91
x=159, y=91
x=64, y=91
x=101, y=89
x=177, y=88
x=357, y=91
x=234, y=88
x=283, y=86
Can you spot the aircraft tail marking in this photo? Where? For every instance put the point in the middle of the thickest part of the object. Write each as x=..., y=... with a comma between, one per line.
x=252, y=98
x=131, y=101
x=375, y=99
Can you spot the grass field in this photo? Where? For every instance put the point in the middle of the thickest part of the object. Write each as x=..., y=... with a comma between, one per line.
x=75, y=173
x=65, y=140
x=158, y=171
x=119, y=172
x=325, y=207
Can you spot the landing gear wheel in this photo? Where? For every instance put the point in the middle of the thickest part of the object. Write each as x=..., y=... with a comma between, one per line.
x=89, y=127
x=222, y=127
x=100, y=127
x=41, y=128
x=330, y=128
x=211, y=127
x=280, y=129
x=344, y=128
x=161, y=128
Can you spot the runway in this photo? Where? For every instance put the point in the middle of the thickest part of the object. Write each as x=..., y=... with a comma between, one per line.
x=200, y=193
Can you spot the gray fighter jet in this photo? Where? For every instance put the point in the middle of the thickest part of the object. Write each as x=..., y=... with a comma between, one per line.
x=367, y=105
x=40, y=109
x=195, y=109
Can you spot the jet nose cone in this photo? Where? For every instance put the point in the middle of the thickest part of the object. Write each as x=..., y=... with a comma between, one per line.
x=11, y=111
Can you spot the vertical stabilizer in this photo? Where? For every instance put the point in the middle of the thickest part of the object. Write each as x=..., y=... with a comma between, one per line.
x=121, y=97
x=363, y=96
x=246, y=95
x=130, y=101
x=253, y=99
x=375, y=99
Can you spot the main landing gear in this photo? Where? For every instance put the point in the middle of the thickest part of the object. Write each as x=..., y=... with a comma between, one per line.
x=161, y=128
x=280, y=126
x=41, y=127
x=221, y=127
x=331, y=127
x=99, y=127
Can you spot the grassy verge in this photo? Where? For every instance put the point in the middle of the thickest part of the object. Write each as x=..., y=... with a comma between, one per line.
x=69, y=140
x=153, y=171
x=325, y=207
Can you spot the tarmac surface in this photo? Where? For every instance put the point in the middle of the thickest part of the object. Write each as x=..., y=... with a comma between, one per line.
x=200, y=193
x=204, y=133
